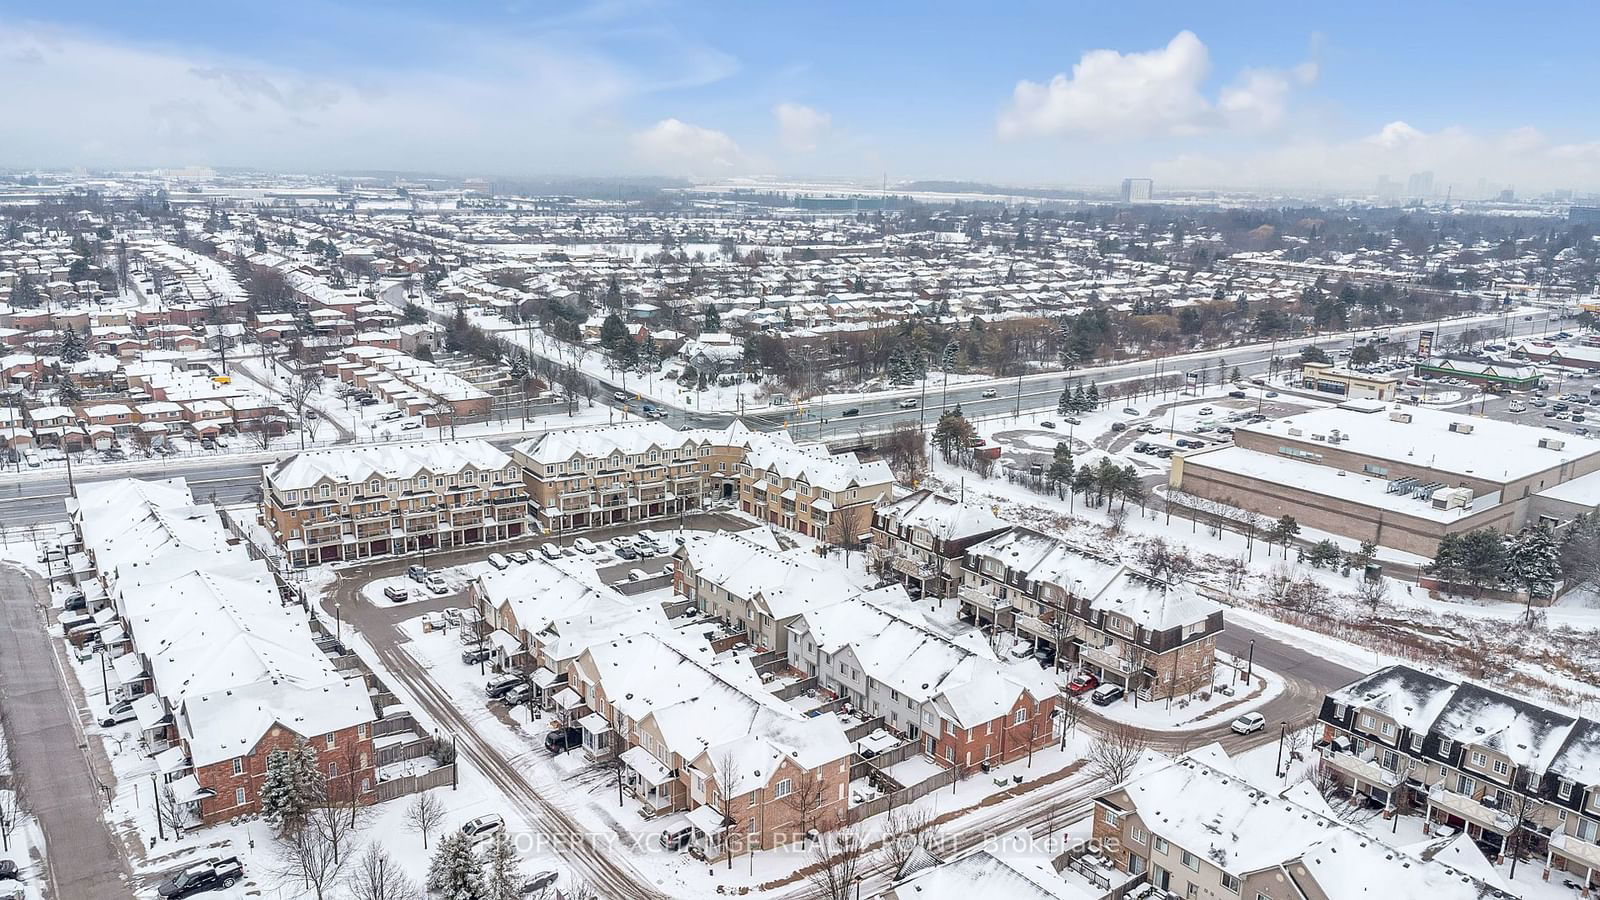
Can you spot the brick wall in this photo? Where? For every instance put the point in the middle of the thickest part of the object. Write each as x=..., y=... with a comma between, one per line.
x=351, y=754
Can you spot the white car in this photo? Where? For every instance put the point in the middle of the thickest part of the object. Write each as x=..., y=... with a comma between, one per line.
x=550, y=551
x=908, y=403
x=483, y=827
x=499, y=561
x=1249, y=723
x=436, y=584
x=990, y=393
x=585, y=546
x=637, y=575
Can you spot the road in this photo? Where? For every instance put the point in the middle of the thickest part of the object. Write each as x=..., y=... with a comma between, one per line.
x=48, y=751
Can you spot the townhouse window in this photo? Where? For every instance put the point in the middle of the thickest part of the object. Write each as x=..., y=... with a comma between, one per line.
x=361, y=732
x=1020, y=717
x=1136, y=834
x=366, y=785
x=1479, y=758
x=1367, y=722
x=1445, y=746
x=1416, y=740
x=333, y=770
x=1160, y=845
x=1388, y=729
x=784, y=789
x=1501, y=767
x=238, y=796
x=373, y=486
x=752, y=802
x=325, y=491
x=1230, y=882
x=238, y=765
x=293, y=496
x=1338, y=710
x=331, y=739
x=1189, y=861
x=950, y=753
x=1465, y=785
x=1564, y=789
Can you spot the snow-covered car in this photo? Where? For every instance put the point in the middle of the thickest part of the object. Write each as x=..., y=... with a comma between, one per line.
x=1249, y=723
x=637, y=575
x=499, y=561
x=550, y=551
x=483, y=827
x=1083, y=681
x=519, y=557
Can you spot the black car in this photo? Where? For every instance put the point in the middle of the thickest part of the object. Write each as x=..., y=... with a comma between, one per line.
x=627, y=552
x=1237, y=395
x=212, y=875
x=563, y=739
x=852, y=411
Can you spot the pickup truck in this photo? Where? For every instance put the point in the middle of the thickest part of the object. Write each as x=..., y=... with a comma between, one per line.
x=211, y=875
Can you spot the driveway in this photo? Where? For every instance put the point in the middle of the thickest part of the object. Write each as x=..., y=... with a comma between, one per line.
x=47, y=750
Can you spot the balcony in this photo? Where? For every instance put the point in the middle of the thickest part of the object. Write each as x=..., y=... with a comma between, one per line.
x=1471, y=809
x=1105, y=659
x=909, y=566
x=1362, y=766
x=984, y=600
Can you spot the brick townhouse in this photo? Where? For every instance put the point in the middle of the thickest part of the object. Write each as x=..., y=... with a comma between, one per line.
x=922, y=538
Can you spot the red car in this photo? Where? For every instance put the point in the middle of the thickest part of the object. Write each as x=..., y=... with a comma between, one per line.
x=1081, y=682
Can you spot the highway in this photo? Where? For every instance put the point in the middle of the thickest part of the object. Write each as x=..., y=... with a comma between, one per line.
x=28, y=498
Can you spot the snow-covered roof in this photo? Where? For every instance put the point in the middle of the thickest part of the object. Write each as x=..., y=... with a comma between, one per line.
x=346, y=465
x=944, y=517
x=983, y=874
x=785, y=582
x=1411, y=698
x=1527, y=734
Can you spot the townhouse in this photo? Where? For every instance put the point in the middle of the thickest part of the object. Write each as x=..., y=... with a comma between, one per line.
x=220, y=671
x=805, y=488
x=1156, y=638
x=965, y=707
x=587, y=477
x=744, y=580
x=357, y=502
x=922, y=538
x=1193, y=827
x=415, y=387
x=1473, y=760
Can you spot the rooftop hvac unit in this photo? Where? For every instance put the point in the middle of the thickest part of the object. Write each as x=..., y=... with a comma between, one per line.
x=1319, y=437
x=1333, y=435
x=1400, y=417
x=1452, y=498
x=1294, y=432
x=1551, y=444
x=1461, y=427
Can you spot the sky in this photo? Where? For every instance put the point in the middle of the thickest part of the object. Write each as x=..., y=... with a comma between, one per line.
x=1230, y=95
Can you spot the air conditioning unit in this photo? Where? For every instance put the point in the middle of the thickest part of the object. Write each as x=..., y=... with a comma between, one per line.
x=1452, y=498
x=1552, y=444
x=1319, y=437
x=1404, y=417
x=1294, y=432
x=1461, y=427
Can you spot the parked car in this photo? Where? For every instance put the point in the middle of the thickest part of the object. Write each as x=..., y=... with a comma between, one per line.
x=637, y=575
x=436, y=584
x=397, y=593
x=1206, y=410
x=585, y=546
x=852, y=411
x=518, y=695
x=474, y=655
x=1237, y=395
x=483, y=827
x=1249, y=723
x=118, y=713
x=539, y=883
x=563, y=739
x=212, y=875
x=1047, y=424
x=417, y=573
x=394, y=416
x=518, y=556
x=1106, y=694
x=626, y=551
x=1129, y=411
x=499, y=687
x=1119, y=426
x=550, y=551
x=499, y=561
x=1083, y=681
x=413, y=425
x=677, y=836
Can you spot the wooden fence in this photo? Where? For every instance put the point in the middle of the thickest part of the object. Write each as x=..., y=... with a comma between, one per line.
x=879, y=805
x=395, y=788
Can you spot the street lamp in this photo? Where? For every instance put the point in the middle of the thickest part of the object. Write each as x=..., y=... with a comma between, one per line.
x=1283, y=730
x=338, y=625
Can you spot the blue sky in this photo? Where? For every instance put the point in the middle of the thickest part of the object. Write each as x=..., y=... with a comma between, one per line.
x=1240, y=95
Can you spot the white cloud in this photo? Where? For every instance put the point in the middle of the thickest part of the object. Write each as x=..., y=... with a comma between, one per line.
x=1458, y=157
x=800, y=126
x=1155, y=93
x=683, y=147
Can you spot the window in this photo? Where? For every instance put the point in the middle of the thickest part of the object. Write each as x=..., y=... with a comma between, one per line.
x=1230, y=883
x=238, y=765
x=1388, y=729
x=330, y=740
x=1479, y=758
x=333, y=770
x=1367, y=722
x=1189, y=861
x=1445, y=746
x=1564, y=789
x=1416, y=740
x=324, y=491
x=238, y=796
x=1160, y=845
x=1020, y=717
x=361, y=732
x=374, y=485
x=784, y=789
x=1136, y=834
x=950, y=753
x=1501, y=767
x=1338, y=710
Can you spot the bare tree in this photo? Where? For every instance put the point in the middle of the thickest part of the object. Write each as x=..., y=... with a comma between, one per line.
x=1523, y=811
x=905, y=831
x=344, y=789
x=904, y=449
x=171, y=812
x=840, y=857
x=1373, y=593
x=581, y=890
x=1071, y=706
x=809, y=796
x=1295, y=740
x=377, y=877
x=337, y=826
x=13, y=810
x=1344, y=807
x=424, y=815
x=725, y=767
x=1116, y=752
x=308, y=856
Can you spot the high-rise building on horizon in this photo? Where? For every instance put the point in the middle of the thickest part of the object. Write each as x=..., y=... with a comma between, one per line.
x=1137, y=190
x=1419, y=186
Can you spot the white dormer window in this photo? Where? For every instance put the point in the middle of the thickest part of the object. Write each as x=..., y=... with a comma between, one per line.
x=1501, y=767
x=1367, y=721
x=374, y=485
x=422, y=481
x=1445, y=746
x=1479, y=758
x=324, y=490
x=1564, y=789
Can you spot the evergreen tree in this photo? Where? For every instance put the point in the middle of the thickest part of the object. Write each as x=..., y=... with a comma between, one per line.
x=78, y=271
x=260, y=243
x=25, y=293
x=1065, y=404
x=1060, y=471
x=502, y=870
x=1533, y=561
x=613, y=333
x=953, y=432
x=519, y=368
x=72, y=348
x=67, y=393
x=1080, y=400
x=948, y=360
x=292, y=787
x=1091, y=397
x=1083, y=481
x=414, y=314
x=455, y=873
x=712, y=319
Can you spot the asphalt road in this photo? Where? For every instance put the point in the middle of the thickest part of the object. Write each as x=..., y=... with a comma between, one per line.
x=47, y=752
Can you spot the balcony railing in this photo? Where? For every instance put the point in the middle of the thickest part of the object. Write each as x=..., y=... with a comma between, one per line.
x=1359, y=766
x=985, y=600
x=1106, y=659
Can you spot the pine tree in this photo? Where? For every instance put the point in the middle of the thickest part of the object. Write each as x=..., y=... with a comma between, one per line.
x=1064, y=406
x=1080, y=400
x=1533, y=561
x=72, y=348
x=292, y=787
x=613, y=333
x=712, y=319
x=519, y=368
x=455, y=873
x=502, y=870
x=25, y=293
x=1091, y=397
x=948, y=360
x=1060, y=470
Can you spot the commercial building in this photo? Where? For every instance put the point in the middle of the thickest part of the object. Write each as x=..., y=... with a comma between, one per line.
x=1494, y=376
x=358, y=502
x=1330, y=379
x=1154, y=637
x=1401, y=478
x=1472, y=759
x=1137, y=190
x=921, y=539
x=1573, y=356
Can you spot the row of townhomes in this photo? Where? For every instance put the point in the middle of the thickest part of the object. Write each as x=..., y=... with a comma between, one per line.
x=1194, y=827
x=1475, y=760
x=220, y=671
x=922, y=538
x=358, y=502
x=1156, y=638
x=587, y=477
